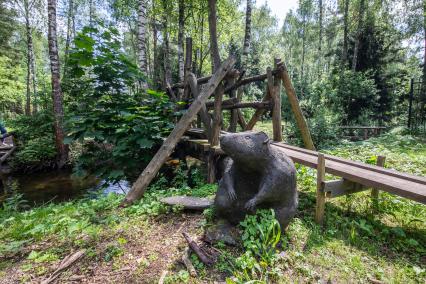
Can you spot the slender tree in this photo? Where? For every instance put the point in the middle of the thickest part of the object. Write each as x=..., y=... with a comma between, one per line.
x=166, y=46
x=345, y=33
x=70, y=22
x=181, y=65
x=358, y=35
x=214, y=48
x=58, y=110
x=320, y=25
x=142, y=24
x=247, y=34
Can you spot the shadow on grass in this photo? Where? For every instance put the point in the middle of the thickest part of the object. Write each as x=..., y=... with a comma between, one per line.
x=364, y=231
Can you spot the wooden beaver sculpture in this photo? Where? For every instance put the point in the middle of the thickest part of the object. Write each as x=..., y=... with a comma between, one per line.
x=255, y=175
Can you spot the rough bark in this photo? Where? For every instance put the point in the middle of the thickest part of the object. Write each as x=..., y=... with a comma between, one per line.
x=247, y=35
x=214, y=48
x=58, y=110
x=142, y=24
x=357, y=40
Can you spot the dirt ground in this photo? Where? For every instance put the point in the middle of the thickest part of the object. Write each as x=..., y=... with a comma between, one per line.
x=148, y=248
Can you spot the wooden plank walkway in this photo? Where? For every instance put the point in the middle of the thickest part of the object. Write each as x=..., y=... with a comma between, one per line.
x=398, y=183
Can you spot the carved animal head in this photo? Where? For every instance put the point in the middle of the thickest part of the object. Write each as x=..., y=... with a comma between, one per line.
x=249, y=146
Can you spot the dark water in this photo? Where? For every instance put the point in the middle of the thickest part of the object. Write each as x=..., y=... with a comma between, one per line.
x=56, y=186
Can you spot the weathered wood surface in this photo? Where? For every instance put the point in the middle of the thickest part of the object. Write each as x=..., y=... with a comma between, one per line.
x=169, y=144
x=320, y=205
x=256, y=105
x=274, y=91
x=371, y=176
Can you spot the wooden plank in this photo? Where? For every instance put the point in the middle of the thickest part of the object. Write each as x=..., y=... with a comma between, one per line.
x=241, y=121
x=169, y=144
x=297, y=111
x=389, y=172
x=336, y=188
x=393, y=184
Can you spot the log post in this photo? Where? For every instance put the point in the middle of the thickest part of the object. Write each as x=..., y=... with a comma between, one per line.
x=204, y=115
x=276, y=112
x=320, y=206
x=234, y=114
x=375, y=191
x=241, y=121
x=258, y=113
x=297, y=111
x=188, y=65
x=274, y=90
x=169, y=144
x=216, y=127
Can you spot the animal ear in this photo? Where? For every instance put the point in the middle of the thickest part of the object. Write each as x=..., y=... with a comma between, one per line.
x=266, y=141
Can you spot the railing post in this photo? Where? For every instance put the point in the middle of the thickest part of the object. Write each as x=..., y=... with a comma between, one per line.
x=320, y=206
x=375, y=192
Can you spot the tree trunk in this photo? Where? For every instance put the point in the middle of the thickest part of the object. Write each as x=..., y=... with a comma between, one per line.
x=155, y=70
x=29, y=55
x=320, y=6
x=302, y=69
x=424, y=56
x=58, y=111
x=345, y=34
x=358, y=36
x=142, y=22
x=214, y=48
x=70, y=21
x=166, y=47
x=247, y=36
x=180, y=40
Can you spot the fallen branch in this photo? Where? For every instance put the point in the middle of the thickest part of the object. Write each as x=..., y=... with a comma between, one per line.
x=163, y=277
x=197, y=250
x=65, y=264
x=188, y=263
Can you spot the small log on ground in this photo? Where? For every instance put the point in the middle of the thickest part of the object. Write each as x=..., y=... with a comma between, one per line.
x=187, y=262
x=197, y=250
x=169, y=144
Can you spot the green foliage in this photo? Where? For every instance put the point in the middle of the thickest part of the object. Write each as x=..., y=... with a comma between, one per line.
x=112, y=117
x=11, y=85
x=261, y=235
x=36, y=143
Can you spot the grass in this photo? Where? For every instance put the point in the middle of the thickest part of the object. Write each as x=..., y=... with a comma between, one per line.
x=356, y=244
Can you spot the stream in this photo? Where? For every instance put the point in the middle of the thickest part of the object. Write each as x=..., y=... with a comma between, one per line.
x=57, y=186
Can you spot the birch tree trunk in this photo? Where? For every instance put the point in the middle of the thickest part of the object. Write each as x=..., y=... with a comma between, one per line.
x=180, y=40
x=70, y=22
x=320, y=6
x=247, y=35
x=58, y=110
x=142, y=24
x=214, y=48
x=358, y=36
x=29, y=56
x=166, y=47
x=345, y=34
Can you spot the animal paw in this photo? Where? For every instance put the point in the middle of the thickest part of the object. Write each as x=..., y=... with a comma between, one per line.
x=251, y=205
x=232, y=195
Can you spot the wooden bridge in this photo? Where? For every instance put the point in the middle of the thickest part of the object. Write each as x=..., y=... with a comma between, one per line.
x=355, y=176
x=204, y=143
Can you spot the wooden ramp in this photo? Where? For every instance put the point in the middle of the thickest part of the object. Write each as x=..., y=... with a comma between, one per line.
x=369, y=176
